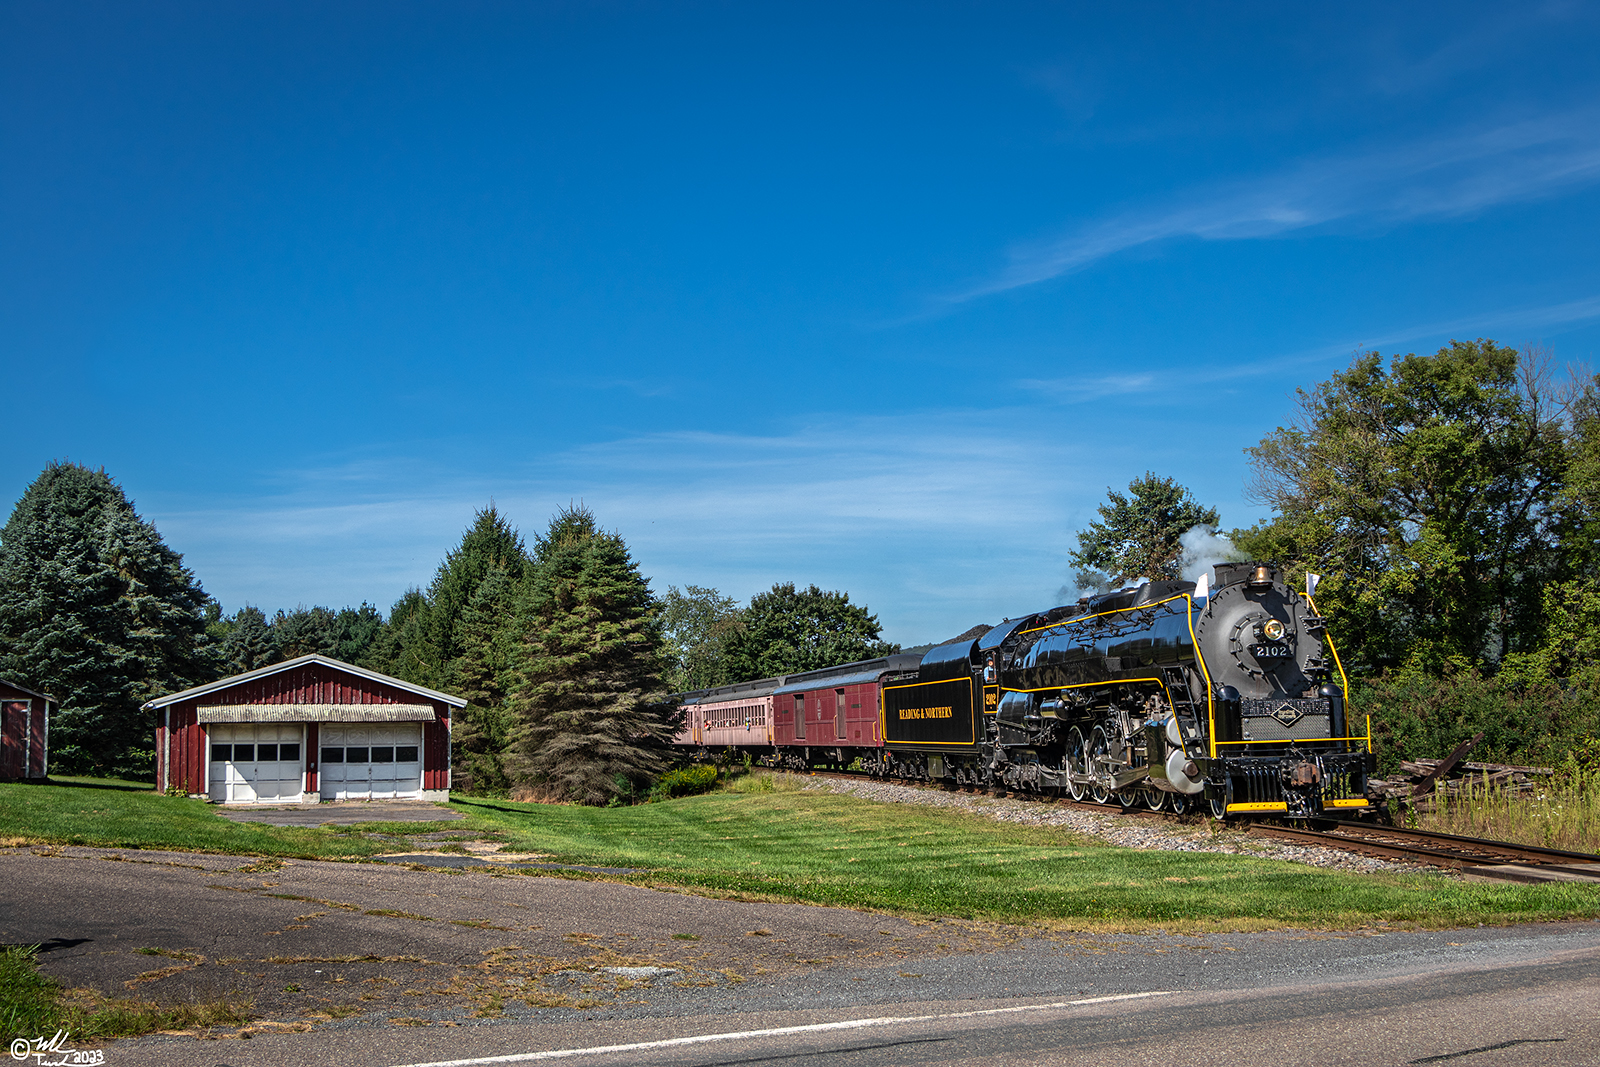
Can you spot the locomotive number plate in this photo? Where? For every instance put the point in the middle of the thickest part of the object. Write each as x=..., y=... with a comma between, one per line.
x=1270, y=652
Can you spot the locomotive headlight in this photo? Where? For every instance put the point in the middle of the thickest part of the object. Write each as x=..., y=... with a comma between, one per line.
x=1272, y=630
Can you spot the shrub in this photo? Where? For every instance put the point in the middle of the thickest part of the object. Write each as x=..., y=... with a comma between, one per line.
x=1417, y=717
x=684, y=782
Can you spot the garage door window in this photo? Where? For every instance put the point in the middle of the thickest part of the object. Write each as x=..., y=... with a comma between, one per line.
x=371, y=762
x=256, y=763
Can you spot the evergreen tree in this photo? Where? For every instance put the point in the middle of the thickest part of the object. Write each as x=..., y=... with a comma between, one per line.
x=592, y=721
x=305, y=631
x=785, y=630
x=490, y=544
x=97, y=610
x=422, y=640
x=485, y=674
x=358, y=630
x=404, y=648
x=249, y=642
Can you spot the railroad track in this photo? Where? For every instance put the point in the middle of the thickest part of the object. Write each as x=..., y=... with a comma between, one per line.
x=1499, y=860
x=1502, y=860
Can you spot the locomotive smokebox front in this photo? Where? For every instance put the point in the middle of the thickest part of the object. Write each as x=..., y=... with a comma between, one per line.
x=1252, y=636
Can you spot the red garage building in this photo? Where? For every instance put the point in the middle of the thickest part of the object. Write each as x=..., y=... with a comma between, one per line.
x=305, y=730
x=24, y=732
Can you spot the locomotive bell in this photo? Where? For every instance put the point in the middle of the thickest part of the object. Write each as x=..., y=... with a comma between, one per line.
x=1262, y=578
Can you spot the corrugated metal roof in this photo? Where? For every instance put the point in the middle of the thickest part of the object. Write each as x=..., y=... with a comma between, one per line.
x=316, y=713
x=302, y=661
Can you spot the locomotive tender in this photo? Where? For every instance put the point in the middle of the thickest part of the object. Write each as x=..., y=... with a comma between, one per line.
x=1157, y=695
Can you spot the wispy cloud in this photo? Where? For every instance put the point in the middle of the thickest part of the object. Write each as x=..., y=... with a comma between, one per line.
x=1425, y=179
x=1081, y=389
x=937, y=519
x=1523, y=325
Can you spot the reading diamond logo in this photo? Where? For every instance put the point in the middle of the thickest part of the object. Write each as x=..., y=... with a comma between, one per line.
x=1287, y=714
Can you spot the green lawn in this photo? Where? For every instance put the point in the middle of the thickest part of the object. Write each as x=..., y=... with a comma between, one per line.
x=828, y=849
x=116, y=814
x=836, y=850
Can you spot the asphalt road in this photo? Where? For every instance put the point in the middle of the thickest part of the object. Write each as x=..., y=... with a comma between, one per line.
x=392, y=966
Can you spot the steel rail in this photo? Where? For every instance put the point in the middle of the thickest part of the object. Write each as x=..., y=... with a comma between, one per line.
x=1391, y=843
x=1528, y=853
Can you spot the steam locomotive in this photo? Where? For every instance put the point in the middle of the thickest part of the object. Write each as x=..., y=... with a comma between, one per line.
x=1159, y=695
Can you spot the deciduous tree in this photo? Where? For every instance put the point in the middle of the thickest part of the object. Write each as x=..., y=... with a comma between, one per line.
x=697, y=625
x=1138, y=533
x=787, y=629
x=1426, y=493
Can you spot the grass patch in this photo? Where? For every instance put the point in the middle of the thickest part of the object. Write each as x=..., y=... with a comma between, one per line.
x=107, y=813
x=1564, y=813
x=906, y=859
x=765, y=782
x=33, y=1006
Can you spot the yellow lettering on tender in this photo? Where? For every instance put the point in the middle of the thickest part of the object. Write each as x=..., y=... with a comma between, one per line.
x=927, y=713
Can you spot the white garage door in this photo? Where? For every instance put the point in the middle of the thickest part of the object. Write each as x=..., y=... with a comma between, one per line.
x=371, y=761
x=256, y=762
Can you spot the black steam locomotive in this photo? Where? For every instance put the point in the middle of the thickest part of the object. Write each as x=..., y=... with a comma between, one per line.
x=1227, y=689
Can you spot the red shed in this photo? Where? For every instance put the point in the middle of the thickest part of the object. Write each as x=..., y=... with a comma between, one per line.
x=305, y=730
x=24, y=732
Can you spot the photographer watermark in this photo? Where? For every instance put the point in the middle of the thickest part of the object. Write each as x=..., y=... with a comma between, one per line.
x=52, y=1052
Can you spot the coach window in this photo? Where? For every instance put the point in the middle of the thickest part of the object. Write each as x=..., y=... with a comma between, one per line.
x=799, y=715
x=838, y=713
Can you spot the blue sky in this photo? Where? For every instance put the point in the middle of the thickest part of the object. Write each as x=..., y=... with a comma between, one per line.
x=881, y=297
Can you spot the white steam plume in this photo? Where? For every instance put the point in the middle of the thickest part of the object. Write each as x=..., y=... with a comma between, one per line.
x=1203, y=548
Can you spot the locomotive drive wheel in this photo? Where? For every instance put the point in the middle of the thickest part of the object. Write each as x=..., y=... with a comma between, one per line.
x=1155, y=799
x=1076, y=761
x=1178, y=803
x=1098, y=747
x=1128, y=798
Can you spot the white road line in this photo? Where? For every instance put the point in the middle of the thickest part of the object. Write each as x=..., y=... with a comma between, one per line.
x=814, y=1028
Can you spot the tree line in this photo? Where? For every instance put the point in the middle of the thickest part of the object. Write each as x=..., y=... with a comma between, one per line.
x=565, y=655
x=1451, y=504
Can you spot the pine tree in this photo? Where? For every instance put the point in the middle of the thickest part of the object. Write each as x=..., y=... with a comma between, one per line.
x=490, y=543
x=305, y=631
x=591, y=717
x=421, y=642
x=404, y=648
x=484, y=673
x=358, y=630
x=96, y=610
x=249, y=642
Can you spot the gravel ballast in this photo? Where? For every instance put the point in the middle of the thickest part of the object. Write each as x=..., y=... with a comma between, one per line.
x=1112, y=827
